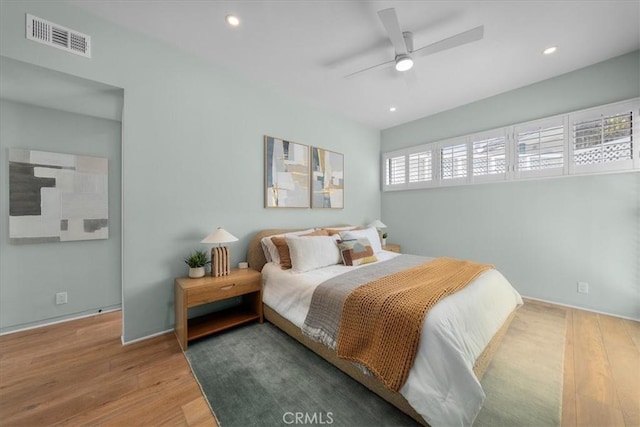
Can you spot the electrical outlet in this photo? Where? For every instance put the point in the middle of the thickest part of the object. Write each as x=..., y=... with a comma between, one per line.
x=61, y=298
x=583, y=287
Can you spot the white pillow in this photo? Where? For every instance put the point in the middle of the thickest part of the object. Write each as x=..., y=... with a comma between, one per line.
x=345, y=228
x=265, y=250
x=271, y=251
x=309, y=253
x=368, y=233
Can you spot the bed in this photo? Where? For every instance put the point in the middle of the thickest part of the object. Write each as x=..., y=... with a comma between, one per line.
x=458, y=338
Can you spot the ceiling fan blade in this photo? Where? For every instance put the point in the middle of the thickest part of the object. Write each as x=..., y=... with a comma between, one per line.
x=384, y=64
x=390, y=21
x=451, y=42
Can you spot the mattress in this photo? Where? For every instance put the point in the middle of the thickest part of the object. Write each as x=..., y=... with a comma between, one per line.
x=441, y=385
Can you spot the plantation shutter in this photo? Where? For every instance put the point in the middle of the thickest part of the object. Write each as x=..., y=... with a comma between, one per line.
x=540, y=148
x=421, y=167
x=489, y=156
x=603, y=139
x=454, y=161
x=395, y=166
x=596, y=140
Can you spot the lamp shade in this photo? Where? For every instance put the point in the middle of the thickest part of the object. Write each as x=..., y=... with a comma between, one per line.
x=377, y=224
x=219, y=236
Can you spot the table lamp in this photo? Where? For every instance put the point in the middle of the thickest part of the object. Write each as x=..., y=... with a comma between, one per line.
x=220, y=260
x=377, y=224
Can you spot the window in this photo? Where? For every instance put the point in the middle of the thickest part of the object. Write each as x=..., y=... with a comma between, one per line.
x=395, y=170
x=489, y=153
x=603, y=139
x=540, y=148
x=421, y=166
x=453, y=161
x=595, y=140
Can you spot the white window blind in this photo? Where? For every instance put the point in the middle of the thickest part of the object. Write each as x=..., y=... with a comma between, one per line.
x=421, y=167
x=489, y=151
x=453, y=161
x=599, y=139
x=541, y=148
x=395, y=170
x=603, y=140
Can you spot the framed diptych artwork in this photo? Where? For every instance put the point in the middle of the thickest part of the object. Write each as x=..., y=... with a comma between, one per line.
x=299, y=176
x=286, y=174
x=327, y=179
x=57, y=197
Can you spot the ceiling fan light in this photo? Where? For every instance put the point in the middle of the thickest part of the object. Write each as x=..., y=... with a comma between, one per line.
x=232, y=20
x=404, y=62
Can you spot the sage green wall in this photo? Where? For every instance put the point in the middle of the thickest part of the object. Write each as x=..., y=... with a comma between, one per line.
x=192, y=152
x=89, y=271
x=544, y=235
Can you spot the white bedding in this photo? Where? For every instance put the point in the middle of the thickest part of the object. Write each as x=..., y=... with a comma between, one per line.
x=441, y=385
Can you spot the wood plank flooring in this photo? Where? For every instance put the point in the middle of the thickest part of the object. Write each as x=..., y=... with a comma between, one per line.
x=603, y=371
x=78, y=373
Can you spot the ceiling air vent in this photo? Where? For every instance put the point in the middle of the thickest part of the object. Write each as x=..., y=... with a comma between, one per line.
x=45, y=32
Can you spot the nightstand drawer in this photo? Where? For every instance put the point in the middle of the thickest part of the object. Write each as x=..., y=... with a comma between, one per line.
x=205, y=294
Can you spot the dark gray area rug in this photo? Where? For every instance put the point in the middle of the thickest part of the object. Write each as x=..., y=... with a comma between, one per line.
x=256, y=375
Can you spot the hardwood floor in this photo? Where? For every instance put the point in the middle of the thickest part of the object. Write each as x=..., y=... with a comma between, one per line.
x=602, y=371
x=78, y=373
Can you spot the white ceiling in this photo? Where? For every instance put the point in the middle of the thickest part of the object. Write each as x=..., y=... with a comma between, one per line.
x=305, y=48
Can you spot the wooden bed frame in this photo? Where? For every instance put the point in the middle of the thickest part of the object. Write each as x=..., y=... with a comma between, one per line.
x=257, y=260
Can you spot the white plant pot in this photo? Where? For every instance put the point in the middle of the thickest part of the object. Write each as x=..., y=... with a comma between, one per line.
x=195, y=272
x=384, y=242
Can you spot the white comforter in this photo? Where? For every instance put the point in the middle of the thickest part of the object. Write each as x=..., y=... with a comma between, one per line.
x=441, y=385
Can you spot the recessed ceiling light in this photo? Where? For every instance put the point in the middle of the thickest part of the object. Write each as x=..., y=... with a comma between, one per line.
x=550, y=50
x=233, y=20
x=392, y=109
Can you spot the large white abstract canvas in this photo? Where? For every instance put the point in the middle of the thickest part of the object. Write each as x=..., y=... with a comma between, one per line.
x=57, y=197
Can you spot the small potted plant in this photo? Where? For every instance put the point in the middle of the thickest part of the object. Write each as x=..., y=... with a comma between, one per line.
x=196, y=262
x=384, y=239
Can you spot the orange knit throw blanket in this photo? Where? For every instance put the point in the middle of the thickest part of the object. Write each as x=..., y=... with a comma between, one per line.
x=382, y=320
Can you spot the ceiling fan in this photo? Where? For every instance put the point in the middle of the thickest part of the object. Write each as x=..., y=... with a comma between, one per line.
x=403, y=43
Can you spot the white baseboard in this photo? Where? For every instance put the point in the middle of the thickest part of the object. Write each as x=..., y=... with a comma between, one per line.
x=582, y=308
x=91, y=313
x=69, y=318
x=148, y=337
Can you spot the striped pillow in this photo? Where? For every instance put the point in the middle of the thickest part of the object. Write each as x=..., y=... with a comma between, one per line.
x=356, y=252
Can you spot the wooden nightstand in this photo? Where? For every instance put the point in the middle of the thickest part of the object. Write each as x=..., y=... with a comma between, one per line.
x=391, y=247
x=194, y=292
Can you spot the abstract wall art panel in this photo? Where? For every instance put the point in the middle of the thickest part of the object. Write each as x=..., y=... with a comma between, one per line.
x=327, y=179
x=286, y=174
x=57, y=197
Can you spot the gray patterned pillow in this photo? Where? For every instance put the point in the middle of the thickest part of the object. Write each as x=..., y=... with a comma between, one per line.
x=356, y=252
